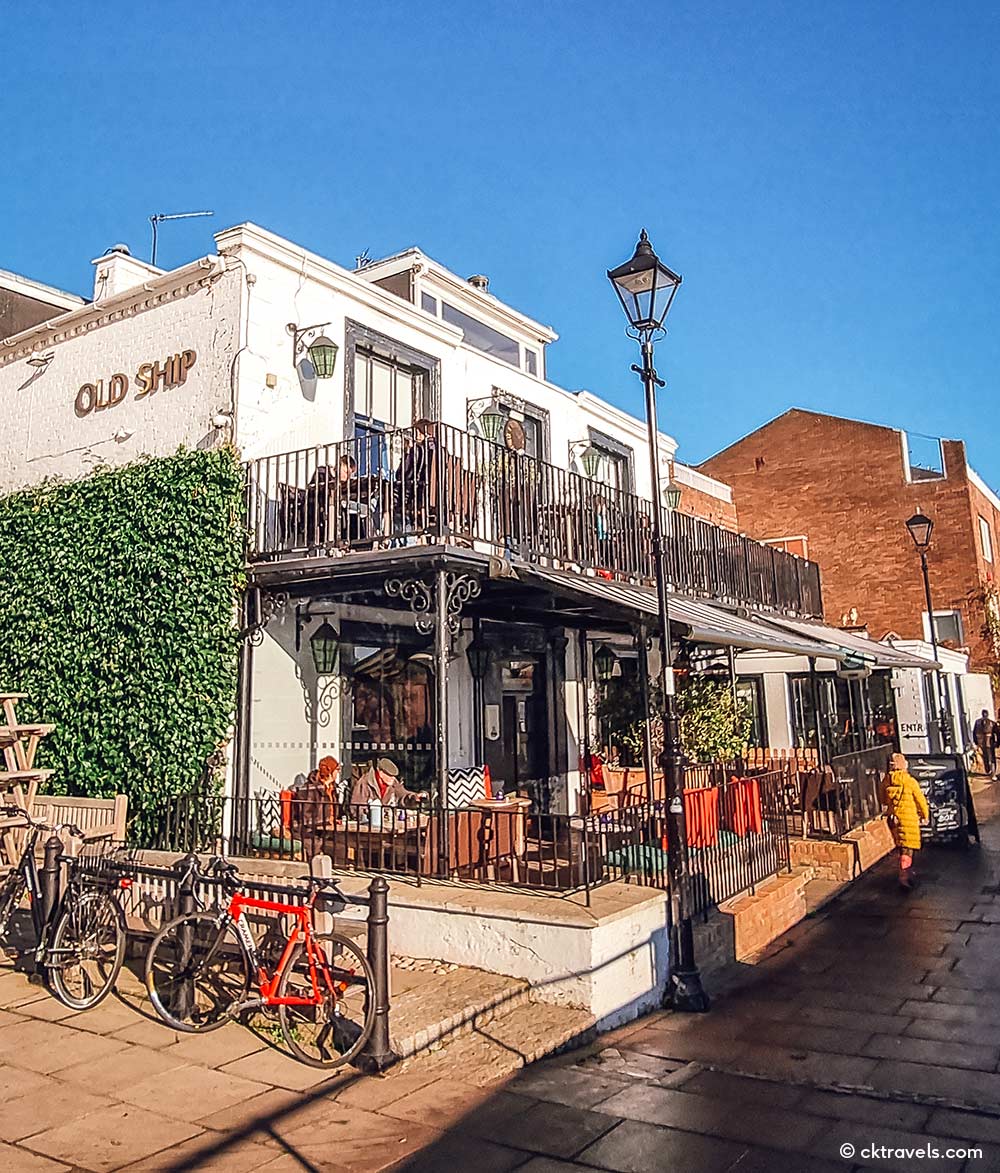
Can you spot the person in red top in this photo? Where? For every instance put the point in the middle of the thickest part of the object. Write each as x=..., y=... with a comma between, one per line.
x=382, y=781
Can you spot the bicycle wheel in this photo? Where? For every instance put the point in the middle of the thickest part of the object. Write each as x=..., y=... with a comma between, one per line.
x=196, y=970
x=87, y=950
x=333, y=1031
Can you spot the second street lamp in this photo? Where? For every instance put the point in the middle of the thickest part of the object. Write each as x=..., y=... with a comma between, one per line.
x=920, y=528
x=646, y=288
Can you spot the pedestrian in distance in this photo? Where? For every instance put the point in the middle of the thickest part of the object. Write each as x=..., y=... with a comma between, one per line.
x=984, y=734
x=906, y=808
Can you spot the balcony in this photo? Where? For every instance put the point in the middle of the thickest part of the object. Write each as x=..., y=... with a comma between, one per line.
x=438, y=485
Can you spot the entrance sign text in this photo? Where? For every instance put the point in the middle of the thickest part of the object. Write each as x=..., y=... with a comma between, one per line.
x=150, y=377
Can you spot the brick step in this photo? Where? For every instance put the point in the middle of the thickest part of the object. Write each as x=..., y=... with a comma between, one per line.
x=511, y=1040
x=448, y=1005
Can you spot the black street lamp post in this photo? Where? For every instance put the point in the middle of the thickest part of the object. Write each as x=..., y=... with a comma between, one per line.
x=646, y=289
x=920, y=528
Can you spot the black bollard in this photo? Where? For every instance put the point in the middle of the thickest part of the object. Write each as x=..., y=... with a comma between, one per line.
x=185, y=906
x=377, y=1054
x=51, y=867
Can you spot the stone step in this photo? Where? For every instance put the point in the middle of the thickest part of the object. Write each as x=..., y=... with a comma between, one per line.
x=495, y=1050
x=440, y=1006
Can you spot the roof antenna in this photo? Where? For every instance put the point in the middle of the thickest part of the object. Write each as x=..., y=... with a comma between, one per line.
x=161, y=216
x=362, y=260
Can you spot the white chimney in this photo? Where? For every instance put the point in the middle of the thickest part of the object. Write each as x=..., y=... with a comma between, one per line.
x=118, y=270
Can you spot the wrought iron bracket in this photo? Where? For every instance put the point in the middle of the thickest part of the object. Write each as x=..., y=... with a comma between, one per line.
x=420, y=595
x=261, y=608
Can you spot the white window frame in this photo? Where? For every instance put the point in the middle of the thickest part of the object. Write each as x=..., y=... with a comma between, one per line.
x=986, y=538
x=948, y=614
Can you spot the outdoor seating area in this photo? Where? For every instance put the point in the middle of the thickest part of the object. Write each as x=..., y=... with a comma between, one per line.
x=436, y=483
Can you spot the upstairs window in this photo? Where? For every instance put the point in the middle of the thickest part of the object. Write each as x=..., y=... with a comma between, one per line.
x=530, y=361
x=924, y=457
x=429, y=304
x=985, y=538
x=482, y=337
x=947, y=627
x=614, y=467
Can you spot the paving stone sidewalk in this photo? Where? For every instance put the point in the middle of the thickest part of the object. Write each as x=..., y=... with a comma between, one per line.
x=874, y=1023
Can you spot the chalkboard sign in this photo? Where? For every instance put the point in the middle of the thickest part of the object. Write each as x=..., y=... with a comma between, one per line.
x=943, y=779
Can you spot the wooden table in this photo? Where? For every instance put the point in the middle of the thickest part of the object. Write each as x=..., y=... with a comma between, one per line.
x=390, y=845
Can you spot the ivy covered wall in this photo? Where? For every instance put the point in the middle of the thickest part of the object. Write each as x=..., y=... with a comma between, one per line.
x=118, y=602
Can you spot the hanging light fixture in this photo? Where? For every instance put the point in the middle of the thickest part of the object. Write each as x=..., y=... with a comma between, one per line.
x=590, y=461
x=325, y=647
x=478, y=654
x=492, y=423
x=321, y=352
x=323, y=356
x=672, y=496
x=605, y=662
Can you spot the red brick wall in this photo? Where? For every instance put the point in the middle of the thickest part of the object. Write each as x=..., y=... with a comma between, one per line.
x=708, y=508
x=843, y=484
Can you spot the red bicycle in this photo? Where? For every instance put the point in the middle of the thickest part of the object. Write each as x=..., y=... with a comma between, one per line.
x=200, y=967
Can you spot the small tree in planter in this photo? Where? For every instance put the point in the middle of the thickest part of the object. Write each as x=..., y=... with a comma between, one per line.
x=715, y=725
x=620, y=718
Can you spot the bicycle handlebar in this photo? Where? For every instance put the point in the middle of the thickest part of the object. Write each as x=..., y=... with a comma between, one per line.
x=17, y=812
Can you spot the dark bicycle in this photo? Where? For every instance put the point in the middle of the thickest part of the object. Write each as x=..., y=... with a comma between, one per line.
x=80, y=939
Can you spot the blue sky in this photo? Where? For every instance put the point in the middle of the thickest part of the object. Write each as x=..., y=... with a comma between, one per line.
x=824, y=176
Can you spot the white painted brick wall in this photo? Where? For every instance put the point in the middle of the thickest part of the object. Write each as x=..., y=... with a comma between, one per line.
x=44, y=437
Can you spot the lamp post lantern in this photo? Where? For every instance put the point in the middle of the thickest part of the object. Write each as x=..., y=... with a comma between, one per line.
x=920, y=527
x=646, y=289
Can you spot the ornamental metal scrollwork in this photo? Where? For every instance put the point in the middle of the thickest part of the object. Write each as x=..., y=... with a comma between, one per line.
x=269, y=604
x=318, y=696
x=419, y=596
x=460, y=588
x=420, y=593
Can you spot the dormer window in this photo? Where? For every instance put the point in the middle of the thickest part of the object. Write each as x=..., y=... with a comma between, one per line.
x=482, y=337
x=531, y=360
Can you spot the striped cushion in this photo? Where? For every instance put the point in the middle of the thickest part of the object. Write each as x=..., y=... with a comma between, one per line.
x=466, y=785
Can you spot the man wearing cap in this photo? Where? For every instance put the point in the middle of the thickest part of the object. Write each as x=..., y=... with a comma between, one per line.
x=381, y=781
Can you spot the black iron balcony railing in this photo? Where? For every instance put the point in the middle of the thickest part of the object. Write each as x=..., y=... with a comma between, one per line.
x=440, y=484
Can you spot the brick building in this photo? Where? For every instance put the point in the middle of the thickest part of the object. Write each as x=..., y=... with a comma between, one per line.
x=839, y=492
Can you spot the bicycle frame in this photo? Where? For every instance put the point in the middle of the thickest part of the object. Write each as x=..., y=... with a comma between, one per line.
x=27, y=866
x=268, y=983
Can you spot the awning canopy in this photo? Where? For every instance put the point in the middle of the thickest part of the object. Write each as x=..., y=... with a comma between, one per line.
x=875, y=654
x=702, y=622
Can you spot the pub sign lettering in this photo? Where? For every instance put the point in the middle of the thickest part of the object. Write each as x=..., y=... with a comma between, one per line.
x=150, y=377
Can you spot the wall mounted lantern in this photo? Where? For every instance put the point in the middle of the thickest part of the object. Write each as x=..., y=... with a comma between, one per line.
x=321, y=351
x=325, y=647
x=605, y=662
x=588, y=457
x=478, y=654
x=672, y=496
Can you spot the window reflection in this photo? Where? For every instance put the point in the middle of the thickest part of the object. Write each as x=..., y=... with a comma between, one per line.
x=391, y=702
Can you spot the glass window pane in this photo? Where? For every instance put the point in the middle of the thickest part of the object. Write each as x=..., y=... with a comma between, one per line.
x=362, y=392
x=483, y=337
x=429, y=304
x=530, y=361
x=403, y=417
x=381, y=395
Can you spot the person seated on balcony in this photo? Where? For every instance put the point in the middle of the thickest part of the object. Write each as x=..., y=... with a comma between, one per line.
x=336, y=493
x=381, y=781
x=413, y=493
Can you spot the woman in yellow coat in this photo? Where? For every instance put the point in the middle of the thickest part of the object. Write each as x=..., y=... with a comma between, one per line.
x=907, y=808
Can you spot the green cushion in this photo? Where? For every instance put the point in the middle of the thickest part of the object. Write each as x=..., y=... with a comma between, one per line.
x=262, y=842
